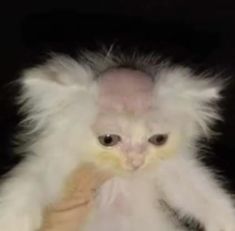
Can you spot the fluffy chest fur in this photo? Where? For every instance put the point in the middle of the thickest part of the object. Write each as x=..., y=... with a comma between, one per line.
x=131, y=204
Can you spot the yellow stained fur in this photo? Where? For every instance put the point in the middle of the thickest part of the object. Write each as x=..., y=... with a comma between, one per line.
x=116, y=161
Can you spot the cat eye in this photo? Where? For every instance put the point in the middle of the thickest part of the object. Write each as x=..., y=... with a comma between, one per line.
x=109, y=139
x=158, y=140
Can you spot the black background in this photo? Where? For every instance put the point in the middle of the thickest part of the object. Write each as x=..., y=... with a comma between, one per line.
x=197, y=33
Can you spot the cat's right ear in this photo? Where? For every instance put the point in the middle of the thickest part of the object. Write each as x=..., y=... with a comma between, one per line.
x=50, y=84
x=60, y=70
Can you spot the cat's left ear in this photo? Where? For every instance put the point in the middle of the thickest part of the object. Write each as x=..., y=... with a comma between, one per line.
x=192, y=97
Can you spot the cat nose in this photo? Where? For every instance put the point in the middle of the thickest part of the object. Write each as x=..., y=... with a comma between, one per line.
x=135, y=155
x=135, y=161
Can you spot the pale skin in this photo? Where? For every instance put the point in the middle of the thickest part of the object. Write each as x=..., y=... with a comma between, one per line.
x=79, y=193
x=118, y=97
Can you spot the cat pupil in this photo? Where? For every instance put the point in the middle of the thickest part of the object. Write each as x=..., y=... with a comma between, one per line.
x=108, y=139
x=160, y=138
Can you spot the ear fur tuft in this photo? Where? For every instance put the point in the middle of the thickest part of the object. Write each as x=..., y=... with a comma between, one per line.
x=189, y=98
x=49, y=88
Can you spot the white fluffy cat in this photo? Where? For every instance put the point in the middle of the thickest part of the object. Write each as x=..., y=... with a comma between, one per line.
x=145, y=116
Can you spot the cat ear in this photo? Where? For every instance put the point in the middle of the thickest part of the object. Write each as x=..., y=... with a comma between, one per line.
x=193, y=97
x=58, y=71
x=48, y=88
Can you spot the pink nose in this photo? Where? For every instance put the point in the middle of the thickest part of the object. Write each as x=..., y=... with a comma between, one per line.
x=135, y=161
x=135, y=154
x=136, y=164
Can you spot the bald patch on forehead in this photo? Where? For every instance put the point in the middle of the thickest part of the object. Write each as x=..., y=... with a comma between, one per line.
x=125, y=90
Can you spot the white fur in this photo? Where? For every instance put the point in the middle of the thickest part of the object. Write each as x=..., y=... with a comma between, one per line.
x=130, y=205
x=59, y=100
